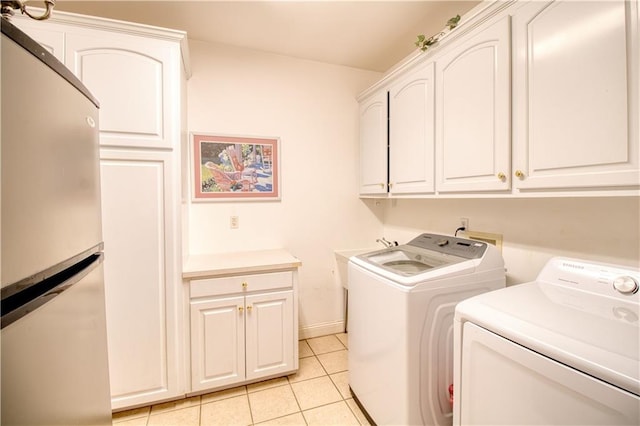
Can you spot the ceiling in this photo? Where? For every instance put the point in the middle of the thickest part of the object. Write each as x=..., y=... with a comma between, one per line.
x=372, y=35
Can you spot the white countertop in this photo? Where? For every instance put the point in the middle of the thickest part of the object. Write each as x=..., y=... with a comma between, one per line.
x=344, y=255
x=342, y=259
x=218, y=264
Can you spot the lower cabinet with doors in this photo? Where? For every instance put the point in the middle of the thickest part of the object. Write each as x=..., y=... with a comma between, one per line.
x=243, y=320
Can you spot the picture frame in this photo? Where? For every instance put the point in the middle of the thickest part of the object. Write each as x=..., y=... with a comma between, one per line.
x=230, y=167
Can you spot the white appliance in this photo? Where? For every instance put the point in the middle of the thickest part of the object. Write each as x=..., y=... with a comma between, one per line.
x=53, y=326
x=401, y=306
x=560, y=350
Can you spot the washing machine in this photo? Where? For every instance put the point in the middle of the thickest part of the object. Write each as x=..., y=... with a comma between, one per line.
x=401, y=307
x=562, y=350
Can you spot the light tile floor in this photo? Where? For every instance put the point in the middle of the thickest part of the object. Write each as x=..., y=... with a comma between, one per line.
x=318, y=394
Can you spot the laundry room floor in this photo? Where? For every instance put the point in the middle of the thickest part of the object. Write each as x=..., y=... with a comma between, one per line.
x=318, y=394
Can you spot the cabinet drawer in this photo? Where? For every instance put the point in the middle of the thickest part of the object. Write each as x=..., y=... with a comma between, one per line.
x=241, y=283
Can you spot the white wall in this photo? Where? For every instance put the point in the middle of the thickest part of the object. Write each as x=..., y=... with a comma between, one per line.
x=534, y=230
x=312, y=108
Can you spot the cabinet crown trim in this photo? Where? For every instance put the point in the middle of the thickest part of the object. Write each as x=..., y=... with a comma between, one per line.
x=470, y=20
x=124, y=27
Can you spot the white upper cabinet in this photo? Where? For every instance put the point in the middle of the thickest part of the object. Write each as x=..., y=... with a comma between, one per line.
x=136, y=78
x=48, y=35
x=373, y=144
x=473, y=111
x=532, y=98
x=138, y=72
x=576, y=95
x=411, y=132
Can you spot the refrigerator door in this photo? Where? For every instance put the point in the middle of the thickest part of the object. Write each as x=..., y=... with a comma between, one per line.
x=53, y=326
x=50, y=161
x=54, y=359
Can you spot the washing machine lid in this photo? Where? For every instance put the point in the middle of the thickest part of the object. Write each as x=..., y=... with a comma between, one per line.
x=572, y=314
x=426, y=257
x=408, y=261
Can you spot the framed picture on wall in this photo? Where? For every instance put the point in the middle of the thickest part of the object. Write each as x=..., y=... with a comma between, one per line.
x=235, y=167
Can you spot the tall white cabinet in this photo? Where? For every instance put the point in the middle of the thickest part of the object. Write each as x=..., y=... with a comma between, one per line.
x=138, y=75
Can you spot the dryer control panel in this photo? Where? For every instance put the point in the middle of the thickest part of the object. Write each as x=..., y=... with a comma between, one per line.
x=599, y=278
x=461, y=247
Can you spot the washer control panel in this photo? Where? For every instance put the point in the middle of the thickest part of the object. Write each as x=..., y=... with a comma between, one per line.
x=461, y=247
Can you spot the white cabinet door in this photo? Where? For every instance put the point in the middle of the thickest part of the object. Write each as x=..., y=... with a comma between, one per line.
x=141, y=279
x=374, y=144
x=136, y=81
x=473, y=111
x=269, y=334
x=411, y=132
x=48, y=35
x=217, y=342
x=576, y=94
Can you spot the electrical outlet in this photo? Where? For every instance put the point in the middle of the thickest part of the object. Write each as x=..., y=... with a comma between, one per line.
x=234, y=222
x=464, y=222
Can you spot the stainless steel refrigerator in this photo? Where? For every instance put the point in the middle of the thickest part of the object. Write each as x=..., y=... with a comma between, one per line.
x=53, y=337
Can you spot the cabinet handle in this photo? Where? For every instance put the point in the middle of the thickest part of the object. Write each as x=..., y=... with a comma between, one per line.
x=382, y=185
x=390, y=185
x=519, y=174
x=244, y=284
x=501, y=176
x=240, y=309
x=249, y=308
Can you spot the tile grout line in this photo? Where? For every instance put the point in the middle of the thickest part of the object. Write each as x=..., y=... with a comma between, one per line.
x=147, y=415
x=249, y=404
x=297, y=402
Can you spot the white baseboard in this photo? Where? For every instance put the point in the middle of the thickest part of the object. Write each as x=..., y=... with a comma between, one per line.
x=323, y=329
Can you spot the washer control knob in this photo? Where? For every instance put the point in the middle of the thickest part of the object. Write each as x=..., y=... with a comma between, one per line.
x=442, y=243
x=625, y=284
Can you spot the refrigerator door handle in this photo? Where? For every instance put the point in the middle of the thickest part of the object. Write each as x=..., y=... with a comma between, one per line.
x=22, y=303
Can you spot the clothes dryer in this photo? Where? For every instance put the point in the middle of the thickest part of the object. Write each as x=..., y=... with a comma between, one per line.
x=401, y=306
x=563, y=349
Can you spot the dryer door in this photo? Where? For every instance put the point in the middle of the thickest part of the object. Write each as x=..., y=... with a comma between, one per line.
x=502, y=382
